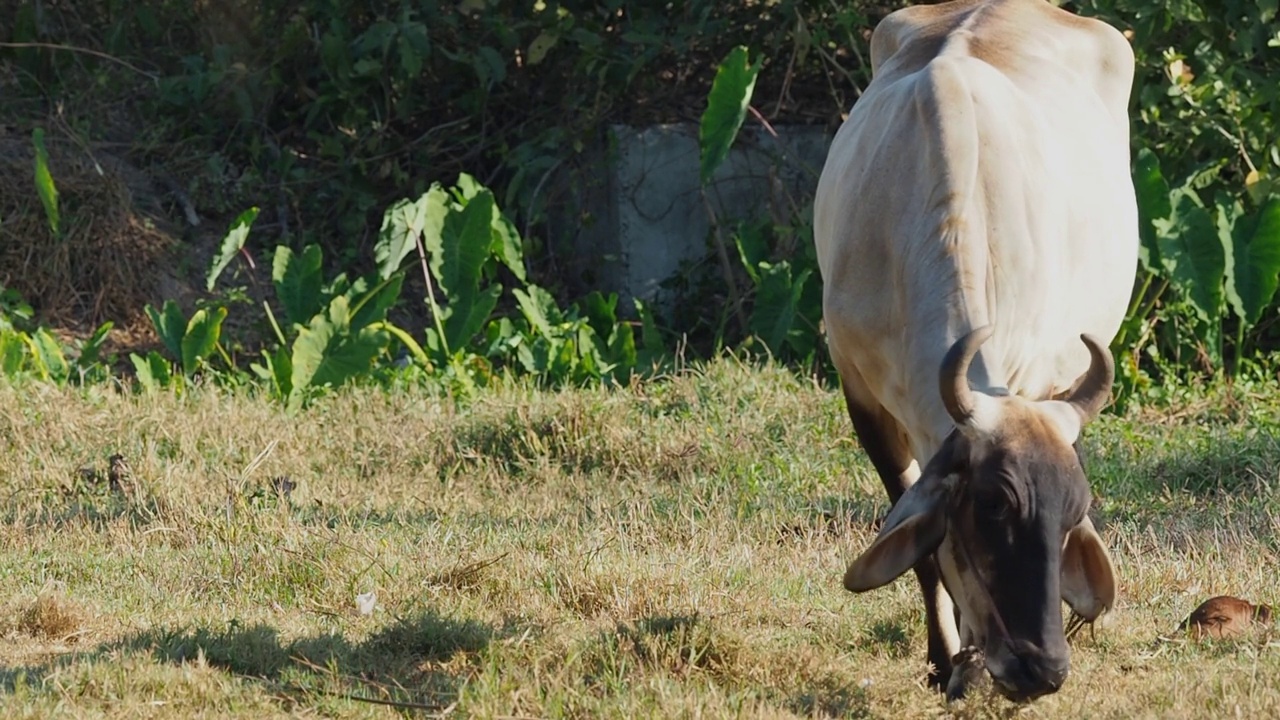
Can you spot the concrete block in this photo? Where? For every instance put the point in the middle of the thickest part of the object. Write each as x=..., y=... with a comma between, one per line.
x=640, y=215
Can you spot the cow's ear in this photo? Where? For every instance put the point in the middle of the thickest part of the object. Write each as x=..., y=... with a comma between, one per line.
x=1088, y=577
x=915, y=525
x=897, y=551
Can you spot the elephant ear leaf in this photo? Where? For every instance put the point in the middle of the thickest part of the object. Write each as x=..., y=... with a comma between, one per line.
x=1152, y=192
x=1255, y=271
x=727, y=103
x=1193, y=253
x=299, y=282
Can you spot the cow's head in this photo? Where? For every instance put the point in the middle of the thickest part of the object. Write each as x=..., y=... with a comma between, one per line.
x=1002, y=506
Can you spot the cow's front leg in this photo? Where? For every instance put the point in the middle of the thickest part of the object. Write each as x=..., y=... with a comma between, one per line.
x=944, y=639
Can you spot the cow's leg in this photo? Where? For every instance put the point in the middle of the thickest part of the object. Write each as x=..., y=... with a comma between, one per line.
x=885, y=444
x=969, y=674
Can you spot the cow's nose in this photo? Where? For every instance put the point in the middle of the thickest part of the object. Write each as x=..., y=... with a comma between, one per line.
x=1032, y=674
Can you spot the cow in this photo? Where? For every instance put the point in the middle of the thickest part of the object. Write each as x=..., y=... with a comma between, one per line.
x=977, y=236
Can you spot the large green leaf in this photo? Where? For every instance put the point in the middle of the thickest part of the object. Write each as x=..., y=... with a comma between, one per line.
x=92, y=347
x=153, y=371
x=1153, y=204
x=622, y=349
x=350, y=357
x=726, y=108
x=402, y=225
x=201, y=336
x=753, y=248
x=299, y=283
x=45, y=187
x=12, y=351
x=1193, y=254
x=232, y=243
x=467, y=314
x=278, y=370
x=50, y=362
x=602, y=312
x=327, y=352
x=170, y=325
x=506, y=244
x=372, y=306
x=539, y=308
x=651, y=342
x=1255, y=267
x=506, y=239
x=459, y=250
x=773, y=318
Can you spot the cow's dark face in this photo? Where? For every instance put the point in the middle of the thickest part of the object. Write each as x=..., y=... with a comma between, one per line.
x=1014, y=500
x=1002, y=506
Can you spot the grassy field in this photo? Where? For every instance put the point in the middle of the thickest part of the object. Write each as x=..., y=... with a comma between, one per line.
x=673, y=549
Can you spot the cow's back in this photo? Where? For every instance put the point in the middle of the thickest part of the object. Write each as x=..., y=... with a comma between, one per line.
x=983, y=177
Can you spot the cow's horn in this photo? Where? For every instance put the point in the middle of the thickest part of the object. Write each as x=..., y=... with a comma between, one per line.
x=953, y=377
x=1093, y=390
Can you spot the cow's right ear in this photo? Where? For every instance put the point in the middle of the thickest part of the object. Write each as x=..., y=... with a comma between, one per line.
x=915, y=525
x=897, y=549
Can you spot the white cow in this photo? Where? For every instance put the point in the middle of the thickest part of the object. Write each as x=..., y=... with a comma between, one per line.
x=974, y=221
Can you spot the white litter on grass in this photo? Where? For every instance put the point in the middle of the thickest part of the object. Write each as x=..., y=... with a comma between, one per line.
x=366, y=602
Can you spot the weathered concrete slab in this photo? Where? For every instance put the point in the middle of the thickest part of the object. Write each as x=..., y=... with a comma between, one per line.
x=643, y=216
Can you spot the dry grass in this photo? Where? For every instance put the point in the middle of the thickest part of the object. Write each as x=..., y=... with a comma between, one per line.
x=669, y=550
x=51, y=617
x=111, y=257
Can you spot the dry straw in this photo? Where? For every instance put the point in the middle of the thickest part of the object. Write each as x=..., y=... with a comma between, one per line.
x=108, y=261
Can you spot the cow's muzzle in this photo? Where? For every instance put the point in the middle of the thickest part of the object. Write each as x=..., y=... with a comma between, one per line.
x=1028, y=672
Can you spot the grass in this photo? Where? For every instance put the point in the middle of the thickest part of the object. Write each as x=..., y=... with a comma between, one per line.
x=672, y=549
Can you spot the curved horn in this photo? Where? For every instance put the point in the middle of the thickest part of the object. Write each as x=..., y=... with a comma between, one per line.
x=953, y=377
x=1093, y=389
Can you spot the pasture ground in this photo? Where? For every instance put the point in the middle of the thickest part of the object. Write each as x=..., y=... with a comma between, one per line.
x=671, y=549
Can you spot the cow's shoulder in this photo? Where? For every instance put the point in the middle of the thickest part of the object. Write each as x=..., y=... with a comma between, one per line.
x=916, y=33
x=1013, y=36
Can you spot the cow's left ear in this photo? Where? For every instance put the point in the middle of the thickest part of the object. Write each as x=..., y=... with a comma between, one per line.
x=1088, y=577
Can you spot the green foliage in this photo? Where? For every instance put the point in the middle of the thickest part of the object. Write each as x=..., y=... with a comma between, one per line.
x=1191, y=252
x=402, y=227
x=189, y=341
x=1255, y=253
x=48, y=360
x=299, y=282
x=726, y=108
x=232, y=244
x=37, y=353
x=14, y=311
x=330, y=109
x=458, y=253
x=332, y=350
x=787, y=305
x=1216, y=263
x=201, y=336
x=466, y=242
x=566, y=346
x=1205, y=124
x=153, y=372
x=336, y=330
x=45, y=187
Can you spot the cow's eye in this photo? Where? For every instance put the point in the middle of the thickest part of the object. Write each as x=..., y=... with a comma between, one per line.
x=993, y=504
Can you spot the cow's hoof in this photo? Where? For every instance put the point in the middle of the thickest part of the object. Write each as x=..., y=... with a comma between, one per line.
x=968, y=674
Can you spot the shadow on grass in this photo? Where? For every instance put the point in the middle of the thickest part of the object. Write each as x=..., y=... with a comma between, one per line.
x=1192, y=473
x=829, y=697
x=688, y=646
x=421, y=662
